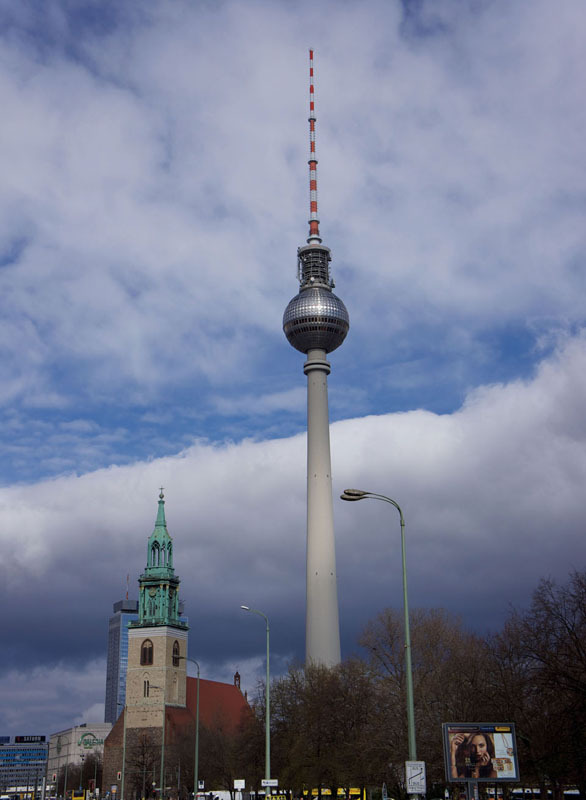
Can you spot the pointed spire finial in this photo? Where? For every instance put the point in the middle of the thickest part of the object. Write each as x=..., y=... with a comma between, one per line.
x=162, y=496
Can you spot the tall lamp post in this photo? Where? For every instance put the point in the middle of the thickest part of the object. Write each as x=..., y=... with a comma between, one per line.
x=95, y=770
x=267, y=702
x=196, y=756
x=123, y=705
x=358, y=494
x=162, y=689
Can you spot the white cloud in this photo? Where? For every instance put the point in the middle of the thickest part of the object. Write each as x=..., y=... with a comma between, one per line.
x=160, y=200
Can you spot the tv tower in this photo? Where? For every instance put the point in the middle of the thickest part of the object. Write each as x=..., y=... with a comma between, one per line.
x=316, y=322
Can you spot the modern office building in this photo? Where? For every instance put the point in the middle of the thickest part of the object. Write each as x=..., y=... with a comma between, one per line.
x=70, y=748
x=125, y=612
x=316, y=322
x=23, y=762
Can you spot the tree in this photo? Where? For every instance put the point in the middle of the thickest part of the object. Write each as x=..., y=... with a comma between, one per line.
x=143, y=758
x=540, y=660
x=449, y=667
x=322, y=724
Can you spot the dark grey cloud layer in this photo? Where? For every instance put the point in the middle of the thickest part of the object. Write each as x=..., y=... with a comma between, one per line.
x=492, y=496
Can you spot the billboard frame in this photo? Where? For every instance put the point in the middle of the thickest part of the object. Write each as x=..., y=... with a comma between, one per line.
x=504, y=755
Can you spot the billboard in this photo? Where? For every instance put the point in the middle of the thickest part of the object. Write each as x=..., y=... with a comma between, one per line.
x=28, y=739
x=480, y=751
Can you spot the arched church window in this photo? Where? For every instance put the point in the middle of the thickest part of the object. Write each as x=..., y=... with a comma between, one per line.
x=146, y=652
x=176, y=654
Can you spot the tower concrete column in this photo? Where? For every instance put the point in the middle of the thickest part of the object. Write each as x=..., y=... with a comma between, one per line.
x=322, y=628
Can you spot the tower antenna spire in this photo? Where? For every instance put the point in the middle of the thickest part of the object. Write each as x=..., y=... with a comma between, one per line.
x=314, y=236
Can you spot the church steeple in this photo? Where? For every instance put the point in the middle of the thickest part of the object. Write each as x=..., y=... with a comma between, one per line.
x=158, y=585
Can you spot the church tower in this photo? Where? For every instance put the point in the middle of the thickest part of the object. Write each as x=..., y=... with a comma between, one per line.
x=157, y=642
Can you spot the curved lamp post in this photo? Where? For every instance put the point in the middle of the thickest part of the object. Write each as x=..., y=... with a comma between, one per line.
x=358, y=494
x=123, y=706
x=196, y=755
x=267, y=703
x=161, y=689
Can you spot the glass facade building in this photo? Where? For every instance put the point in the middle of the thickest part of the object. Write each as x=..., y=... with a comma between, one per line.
x=22, y=765
x=125, y=611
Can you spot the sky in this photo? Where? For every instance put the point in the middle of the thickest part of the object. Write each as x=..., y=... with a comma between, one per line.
x=153, y=193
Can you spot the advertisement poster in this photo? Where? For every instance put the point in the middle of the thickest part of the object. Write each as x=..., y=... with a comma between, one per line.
x=480, y=751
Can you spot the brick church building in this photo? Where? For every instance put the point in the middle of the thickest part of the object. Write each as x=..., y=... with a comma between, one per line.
x=153, y=739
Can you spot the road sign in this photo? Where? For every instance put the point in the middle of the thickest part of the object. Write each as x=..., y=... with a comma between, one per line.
x=269, y=782
x=415, y=777
x=239, y=784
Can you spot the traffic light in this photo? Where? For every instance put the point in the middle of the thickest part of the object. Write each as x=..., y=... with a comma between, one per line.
x=119, y=776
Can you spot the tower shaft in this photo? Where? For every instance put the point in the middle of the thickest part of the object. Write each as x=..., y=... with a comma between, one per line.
x=322, y=628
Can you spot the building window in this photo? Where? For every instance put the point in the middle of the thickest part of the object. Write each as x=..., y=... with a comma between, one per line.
x=146, y=688
x=146, y=652
x=175, y=654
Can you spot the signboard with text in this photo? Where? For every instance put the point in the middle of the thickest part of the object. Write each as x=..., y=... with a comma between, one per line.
x=28, y=739
x=480, y=751
x=415, y=777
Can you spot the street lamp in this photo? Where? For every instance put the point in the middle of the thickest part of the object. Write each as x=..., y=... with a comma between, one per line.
x=358, y=494
x=123, y=748
x=196, y=759
x=267, y=703
x=95, y=770
x=161, y=689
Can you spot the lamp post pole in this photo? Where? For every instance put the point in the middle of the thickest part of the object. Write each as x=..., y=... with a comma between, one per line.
x=196, y=755
x=267, y=702
x=163, y=747
x=123, y=748
x=357, y=494
x=161, y=689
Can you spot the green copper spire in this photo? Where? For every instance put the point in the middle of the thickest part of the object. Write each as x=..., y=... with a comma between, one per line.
x=160, y=545
x=158, y=585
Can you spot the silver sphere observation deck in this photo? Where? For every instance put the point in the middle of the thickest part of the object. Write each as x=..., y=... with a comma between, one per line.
x=316, y=318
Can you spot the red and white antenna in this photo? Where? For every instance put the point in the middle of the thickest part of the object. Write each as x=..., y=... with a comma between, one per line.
x=313, y=218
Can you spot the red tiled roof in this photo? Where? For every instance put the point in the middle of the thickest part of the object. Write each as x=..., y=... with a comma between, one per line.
x=220, y=704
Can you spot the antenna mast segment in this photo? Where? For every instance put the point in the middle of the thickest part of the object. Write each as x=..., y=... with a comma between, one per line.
x=314, y=236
